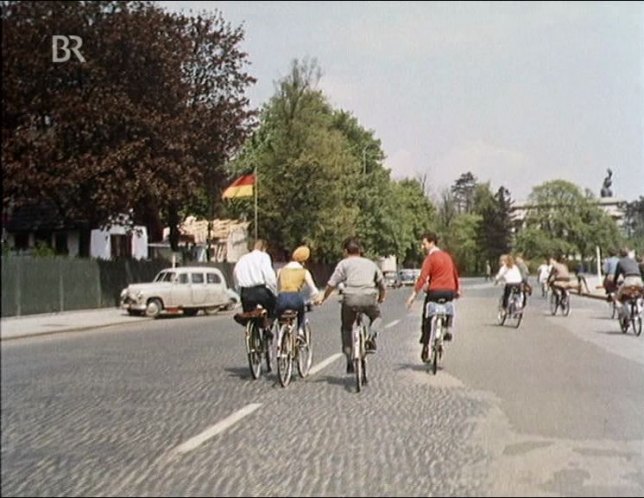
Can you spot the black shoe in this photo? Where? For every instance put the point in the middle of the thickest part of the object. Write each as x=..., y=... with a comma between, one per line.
x=350, y=368
x=424, y=354
x=370, y=345
x=447, y=336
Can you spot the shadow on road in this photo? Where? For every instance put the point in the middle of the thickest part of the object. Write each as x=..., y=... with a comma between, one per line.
x=241, y=373
x=346, y=381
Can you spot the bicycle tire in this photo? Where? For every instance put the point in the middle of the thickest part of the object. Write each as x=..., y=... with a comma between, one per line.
x=436, y=346
x=267, y=344
x=554, y=303
x=613, y=309
x=637, y=325
x=305, y=353
x=519, y=317
x=284, y=358
x=565, y=306
x=253, y=348
x=501, y=317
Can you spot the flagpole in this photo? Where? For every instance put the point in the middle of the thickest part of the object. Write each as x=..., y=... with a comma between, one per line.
x=256, y=188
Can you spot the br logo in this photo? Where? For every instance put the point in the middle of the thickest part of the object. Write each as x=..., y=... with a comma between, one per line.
x=60, y=43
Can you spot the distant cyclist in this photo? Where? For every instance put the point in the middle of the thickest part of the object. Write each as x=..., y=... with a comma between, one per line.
x=510, y=273
x=439, y=278
x=608, y=268
x=559, y=278
x=627, y=267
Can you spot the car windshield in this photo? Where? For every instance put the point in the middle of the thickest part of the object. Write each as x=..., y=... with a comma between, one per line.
x=165, y=276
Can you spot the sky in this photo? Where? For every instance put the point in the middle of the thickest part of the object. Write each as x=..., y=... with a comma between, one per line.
x=517, y=93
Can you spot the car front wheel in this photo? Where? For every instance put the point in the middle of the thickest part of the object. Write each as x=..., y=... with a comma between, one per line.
x=154, y=308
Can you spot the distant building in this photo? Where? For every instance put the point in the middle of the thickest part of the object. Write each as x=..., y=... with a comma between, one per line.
x=228, y=239
x=615, y=208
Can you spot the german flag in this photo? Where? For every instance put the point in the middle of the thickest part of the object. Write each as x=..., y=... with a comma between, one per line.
x=242, y=187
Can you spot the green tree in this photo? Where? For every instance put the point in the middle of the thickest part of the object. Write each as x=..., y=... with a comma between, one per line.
x=570, y=218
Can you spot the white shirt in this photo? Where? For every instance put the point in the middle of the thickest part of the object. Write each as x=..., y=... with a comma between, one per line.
x=253, y=269
x=543, y=271
x=510, y=275
x=308, y=278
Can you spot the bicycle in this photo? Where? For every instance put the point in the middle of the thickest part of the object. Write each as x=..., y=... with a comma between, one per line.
x=258, y=344
x=359, y=335
x=292, y=347
x=438, y=313
x=559, y=299
x=633, y=303
x=514, y=310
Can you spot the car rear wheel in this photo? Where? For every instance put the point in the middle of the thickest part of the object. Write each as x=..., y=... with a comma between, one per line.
x=154, y=308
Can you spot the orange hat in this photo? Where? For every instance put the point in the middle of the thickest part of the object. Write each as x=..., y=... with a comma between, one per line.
x=301, y=254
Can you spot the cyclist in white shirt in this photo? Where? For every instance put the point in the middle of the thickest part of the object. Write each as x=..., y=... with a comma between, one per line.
x=255, y=277
x=508, y=272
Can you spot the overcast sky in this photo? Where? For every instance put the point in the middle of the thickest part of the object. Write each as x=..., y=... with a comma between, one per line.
x=517, y=93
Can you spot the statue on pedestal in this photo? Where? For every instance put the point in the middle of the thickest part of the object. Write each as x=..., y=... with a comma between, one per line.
x=606, y=191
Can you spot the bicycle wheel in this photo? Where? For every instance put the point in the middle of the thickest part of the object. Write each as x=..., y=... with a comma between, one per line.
x=254, y=348
x=565, y=305
x=436, y=346
x=637, y=325
x=285, y=355
x=304, y=352
x=501, y=315
x=518, y=318
x=554, y=303
x=358, y=356
x=363, y=355
x=268, y=346
x=613, y=311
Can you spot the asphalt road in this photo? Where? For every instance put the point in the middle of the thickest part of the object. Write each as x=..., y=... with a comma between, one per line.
x=168, y=407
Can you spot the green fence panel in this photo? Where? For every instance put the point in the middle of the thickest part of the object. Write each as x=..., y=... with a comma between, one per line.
x=10, y=289
x=80, y=283
x=40, y=286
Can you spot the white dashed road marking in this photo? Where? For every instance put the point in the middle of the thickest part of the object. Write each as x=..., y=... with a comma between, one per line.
x=324, y=363
x=392, y=324
x=211, y=432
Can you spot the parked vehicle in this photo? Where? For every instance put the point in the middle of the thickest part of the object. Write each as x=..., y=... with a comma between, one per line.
x=391, y=279
x=408, y=276
x=187, y=289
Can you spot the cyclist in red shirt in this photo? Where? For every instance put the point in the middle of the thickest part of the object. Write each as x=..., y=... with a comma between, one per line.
x=439, y=278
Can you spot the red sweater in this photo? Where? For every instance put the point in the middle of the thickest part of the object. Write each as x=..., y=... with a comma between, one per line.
x=439, y=268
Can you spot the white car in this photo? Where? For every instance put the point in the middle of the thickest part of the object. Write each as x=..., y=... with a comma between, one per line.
x=187, y=289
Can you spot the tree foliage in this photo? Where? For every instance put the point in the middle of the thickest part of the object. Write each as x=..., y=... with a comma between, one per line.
x=150, y=117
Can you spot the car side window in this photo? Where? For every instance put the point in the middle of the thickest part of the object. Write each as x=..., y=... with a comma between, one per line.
x=183, y=278
x=213, y=278
x=197, y=278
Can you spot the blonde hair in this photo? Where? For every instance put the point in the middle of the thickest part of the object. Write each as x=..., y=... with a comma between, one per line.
x=507, y=260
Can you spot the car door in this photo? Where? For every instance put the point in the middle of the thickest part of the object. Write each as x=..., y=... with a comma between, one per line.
x=216, y=283
x=180, y=294
x=198, y=287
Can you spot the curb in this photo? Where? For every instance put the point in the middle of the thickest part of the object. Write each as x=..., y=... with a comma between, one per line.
x=24, y=335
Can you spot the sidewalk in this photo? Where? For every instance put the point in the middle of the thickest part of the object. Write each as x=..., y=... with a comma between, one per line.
x=67, y=321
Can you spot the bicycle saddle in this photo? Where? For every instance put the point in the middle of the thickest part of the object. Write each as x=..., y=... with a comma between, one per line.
x=288, y=315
